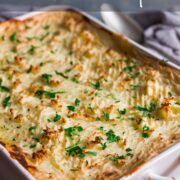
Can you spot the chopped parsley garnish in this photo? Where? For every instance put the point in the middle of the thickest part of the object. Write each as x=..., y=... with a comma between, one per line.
x=146, y=128
x=101, y=128
x=97, y=85
x=111, y=137
x=170, y=94
x=128, y=69
x=90, y=107
x=103, y=145
x=3, y=37
x=61, y=74
x=47, y=78
x=178, y=103
x=97, y=118
x=130, y=154
x=134, y=87
x=30, y=69
x=74, y=79
x=79, y=128
x=145, y=135
x=122, y=112
x=128, y=149
x=46, y=27
x=48, y=94
x=86, y=91
x=32, y=49
x=71, y=131
x=106, y=116
x=75, y=150
x=77, y=102
x=131, y=71
x=92, y=153
x=13, y=37
x=116, y=158
x=57, y=117
x=3, y=88
x=71, y=108
x=147, y=111
x=6, y=102
x=67, y=70
x=32, y=146
x=32, y=129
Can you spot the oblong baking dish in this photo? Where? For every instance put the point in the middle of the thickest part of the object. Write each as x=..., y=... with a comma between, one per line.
x=125, y=44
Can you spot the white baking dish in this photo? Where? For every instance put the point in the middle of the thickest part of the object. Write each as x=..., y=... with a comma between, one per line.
x=159, y=168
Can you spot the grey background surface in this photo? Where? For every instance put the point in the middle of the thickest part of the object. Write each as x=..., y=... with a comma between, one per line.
x=93, y=5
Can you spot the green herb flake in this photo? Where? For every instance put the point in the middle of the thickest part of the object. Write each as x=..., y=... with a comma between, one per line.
x=97, y=85
x=48, y=94
x=106, y=116
x=46, y=27
x=61, y=74
x=130, y=154
x=75, y=150
x=128, y=69
x=170, y=94
x=32, y=146
x=97, y=118
x=122, y=112
x=111, y=137
x=145, y=135
x=47, y=78
x=32, y=129
x=6, y=102
x=67, y=70
x=75, y=80
x=103, y=146
x=71, y=131
x=116, y=158
x=178, y=103
x=40, y=92
x=71, y=108
x=4, y=89
x=79, y=128
x=86, y=91
x=77, y=102
x=48, y=120
x=146, y=128
x=92, y=153
x=13, y=37
x=32, y=49
x=101, y=128
x=30, y=69
x=2, y=37
x=57, y=117
x=128, y=149
x=147, y=111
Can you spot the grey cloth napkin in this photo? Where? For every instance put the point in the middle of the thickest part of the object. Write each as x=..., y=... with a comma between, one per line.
x=161, y=33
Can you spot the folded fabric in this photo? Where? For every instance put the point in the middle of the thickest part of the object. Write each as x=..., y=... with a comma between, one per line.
x=161, y=33
x=10, y=11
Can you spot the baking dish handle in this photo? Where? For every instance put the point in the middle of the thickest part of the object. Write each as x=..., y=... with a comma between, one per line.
x=152, y=176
